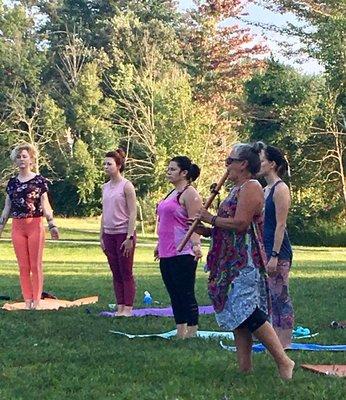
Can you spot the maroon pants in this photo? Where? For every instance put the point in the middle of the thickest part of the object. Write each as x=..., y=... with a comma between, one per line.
x=121, y=267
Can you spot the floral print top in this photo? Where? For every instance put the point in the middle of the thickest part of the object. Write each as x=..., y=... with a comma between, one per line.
x=229, y=252
x=26, y=196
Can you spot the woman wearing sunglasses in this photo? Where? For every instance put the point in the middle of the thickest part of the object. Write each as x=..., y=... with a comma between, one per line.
x=236, y=262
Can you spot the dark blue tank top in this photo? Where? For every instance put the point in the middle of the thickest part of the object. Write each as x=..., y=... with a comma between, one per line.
x=269, y=229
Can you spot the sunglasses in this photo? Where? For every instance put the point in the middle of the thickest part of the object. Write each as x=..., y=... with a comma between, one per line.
x=230, y=160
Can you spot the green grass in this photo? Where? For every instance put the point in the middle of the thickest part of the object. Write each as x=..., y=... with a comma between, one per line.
x=71, y=354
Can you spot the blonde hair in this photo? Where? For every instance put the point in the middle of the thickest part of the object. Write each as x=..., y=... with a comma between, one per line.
x=29, y=148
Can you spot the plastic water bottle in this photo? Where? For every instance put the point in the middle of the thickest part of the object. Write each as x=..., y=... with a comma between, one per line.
x=147, y=299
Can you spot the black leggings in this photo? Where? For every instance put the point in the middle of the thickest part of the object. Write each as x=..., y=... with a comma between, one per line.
x=255, y=321
x=179, y=274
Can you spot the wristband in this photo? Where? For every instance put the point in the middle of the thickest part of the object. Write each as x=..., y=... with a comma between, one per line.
x=50, y=227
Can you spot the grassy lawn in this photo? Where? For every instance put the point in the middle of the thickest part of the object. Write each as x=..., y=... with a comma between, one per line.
x=70, y=354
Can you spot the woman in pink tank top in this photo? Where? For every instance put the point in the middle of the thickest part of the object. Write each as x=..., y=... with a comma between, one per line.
x=178, y=269
x=117, y=234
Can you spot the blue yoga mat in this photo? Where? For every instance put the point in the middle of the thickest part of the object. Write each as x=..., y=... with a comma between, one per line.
x=258, y=348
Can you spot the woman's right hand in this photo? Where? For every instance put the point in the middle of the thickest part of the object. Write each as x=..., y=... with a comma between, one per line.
x=156, y=253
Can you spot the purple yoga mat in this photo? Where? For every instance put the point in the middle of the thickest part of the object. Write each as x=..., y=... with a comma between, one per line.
x=157, y=312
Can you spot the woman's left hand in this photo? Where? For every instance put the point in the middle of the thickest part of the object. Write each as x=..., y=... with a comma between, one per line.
x=54, y=233
x=126, y=247
x=204, y=215
x=272, y=266
x=197, y=251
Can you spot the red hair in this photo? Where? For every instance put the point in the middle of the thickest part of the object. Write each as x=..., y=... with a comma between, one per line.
x=119, y=157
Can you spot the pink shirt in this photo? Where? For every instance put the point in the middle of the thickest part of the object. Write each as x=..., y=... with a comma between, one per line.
x=114, y=207
x=172, y=228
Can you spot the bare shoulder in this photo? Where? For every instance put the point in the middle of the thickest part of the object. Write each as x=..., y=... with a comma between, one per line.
x=252, y=186
x=190, y=196
x=128, y=187
x=191, y=193
x=281, y=190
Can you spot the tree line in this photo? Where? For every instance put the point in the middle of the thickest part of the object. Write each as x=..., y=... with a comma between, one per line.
x=78, y=78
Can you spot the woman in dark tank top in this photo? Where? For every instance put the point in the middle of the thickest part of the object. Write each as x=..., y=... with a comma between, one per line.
x=276, y=241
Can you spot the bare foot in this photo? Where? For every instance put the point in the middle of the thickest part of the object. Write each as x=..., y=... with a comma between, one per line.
x=119, y=314
x=120, y=310
x=181, y=331
x=28, y=304
x=35, y=304
x=127, y=311
x=124, y=311
x=286, y=369
x=191, y=331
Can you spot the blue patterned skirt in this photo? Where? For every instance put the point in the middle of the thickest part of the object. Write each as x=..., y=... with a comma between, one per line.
x=248, y=291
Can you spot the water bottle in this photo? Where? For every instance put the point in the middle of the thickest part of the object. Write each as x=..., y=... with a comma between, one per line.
x=147, y=299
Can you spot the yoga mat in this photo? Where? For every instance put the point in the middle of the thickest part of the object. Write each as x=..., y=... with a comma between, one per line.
x=338, y=370
x=258, y=348
x=157, y=312
x=170, y=334
x=52, y=304
x=305, y=337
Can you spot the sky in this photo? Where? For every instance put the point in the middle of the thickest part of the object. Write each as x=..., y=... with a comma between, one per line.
x=259, y=14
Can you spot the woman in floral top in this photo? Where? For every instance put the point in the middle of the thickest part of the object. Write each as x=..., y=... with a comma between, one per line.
x=236, y=262
x=27, y=202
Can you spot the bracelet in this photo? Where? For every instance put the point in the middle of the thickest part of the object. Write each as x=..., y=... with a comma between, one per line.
x=50, y=227
x=213, y=220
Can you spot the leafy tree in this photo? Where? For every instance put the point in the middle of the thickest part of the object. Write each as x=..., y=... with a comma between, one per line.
x=292, y=111
x=218, y=57
x=321, y=29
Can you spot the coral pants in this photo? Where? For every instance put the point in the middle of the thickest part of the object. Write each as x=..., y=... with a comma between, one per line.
x=28, y=237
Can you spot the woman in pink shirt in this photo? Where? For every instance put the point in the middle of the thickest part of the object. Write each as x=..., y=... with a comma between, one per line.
x=178, y=269
x=117, y=234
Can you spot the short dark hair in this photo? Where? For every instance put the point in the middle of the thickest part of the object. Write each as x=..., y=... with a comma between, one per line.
x=185, y=164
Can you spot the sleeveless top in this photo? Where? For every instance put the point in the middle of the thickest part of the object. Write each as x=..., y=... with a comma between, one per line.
x=270, y=226
x=172, y=227
x=26, y=196
x=114, y=207
x=229, y=251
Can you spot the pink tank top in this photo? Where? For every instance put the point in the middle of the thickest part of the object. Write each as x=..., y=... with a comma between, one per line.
x=172, y=228
x=114, y=208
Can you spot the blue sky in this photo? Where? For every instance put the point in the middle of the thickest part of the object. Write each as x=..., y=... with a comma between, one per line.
x=273, y=40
